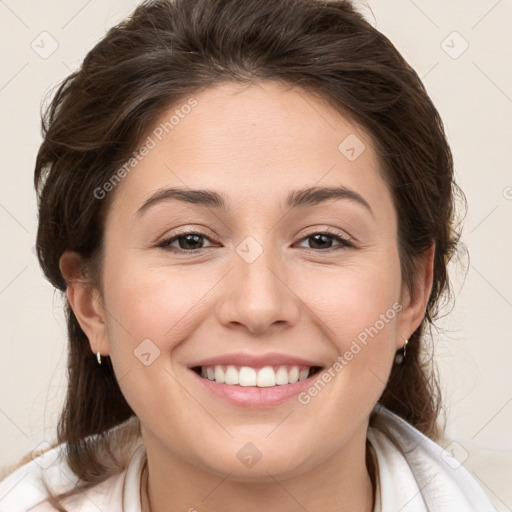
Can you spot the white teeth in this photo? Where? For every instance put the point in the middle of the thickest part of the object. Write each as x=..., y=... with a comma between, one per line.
x=247, y=376
x=265, y=377
x=293, y=375
x=303, y=374
x=219, y=374
x=282, y=376
x=231, y=376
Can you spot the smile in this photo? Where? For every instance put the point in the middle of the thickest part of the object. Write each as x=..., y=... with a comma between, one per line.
x=264, y=377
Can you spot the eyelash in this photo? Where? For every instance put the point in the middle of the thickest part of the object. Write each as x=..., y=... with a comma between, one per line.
x=344, y=243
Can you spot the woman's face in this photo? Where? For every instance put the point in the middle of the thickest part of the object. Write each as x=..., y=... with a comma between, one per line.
x=256, y=285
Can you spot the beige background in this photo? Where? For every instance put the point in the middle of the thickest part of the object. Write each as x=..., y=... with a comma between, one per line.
x=472, y=88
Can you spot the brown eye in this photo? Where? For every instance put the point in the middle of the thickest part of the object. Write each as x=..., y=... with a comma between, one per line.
x=187, y=242
x=323, y=241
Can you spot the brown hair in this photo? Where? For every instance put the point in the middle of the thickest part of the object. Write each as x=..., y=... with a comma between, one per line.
x=168, y=50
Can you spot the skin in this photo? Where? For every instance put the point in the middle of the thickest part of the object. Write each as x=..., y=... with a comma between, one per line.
x=254, y=144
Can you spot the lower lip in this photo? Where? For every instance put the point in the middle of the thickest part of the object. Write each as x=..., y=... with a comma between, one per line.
x=253, y=396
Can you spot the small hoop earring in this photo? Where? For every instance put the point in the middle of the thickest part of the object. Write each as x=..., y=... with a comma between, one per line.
x=399, y=358
x=98, y=355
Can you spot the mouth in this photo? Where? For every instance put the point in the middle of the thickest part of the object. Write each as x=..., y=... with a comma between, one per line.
x=256, y=381
x=260, y=377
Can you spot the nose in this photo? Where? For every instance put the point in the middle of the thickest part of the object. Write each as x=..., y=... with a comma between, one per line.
x=258, y=295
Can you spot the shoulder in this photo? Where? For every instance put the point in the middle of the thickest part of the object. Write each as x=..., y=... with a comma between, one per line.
x=24, y=489
x=419, y=473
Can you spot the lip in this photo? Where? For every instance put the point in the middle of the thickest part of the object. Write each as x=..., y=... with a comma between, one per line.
x=256, y=360
x=254, y=397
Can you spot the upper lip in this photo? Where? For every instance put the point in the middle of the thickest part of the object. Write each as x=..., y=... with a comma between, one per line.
x=255, y=360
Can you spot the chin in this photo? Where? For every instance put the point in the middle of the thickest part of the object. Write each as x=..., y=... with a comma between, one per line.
x=249, y=464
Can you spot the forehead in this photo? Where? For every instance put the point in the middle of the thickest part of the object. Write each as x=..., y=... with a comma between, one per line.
x=247, y=140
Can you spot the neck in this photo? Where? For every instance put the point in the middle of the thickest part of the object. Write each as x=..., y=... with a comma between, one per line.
x=330, y=486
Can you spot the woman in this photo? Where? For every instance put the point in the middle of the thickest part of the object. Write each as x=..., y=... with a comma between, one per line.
x=249, y=207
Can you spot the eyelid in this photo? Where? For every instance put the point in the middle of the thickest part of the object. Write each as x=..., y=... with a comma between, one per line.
x=190, y=230
x=314, y=230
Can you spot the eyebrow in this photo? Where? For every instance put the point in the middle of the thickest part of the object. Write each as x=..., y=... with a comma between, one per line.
x=296, y=199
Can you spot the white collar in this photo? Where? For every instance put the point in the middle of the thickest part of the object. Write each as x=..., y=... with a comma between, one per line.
x=426, y=479
x=131, y=489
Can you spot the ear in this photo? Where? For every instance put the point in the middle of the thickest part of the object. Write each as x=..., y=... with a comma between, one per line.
x=414, y=303
x=85, y=301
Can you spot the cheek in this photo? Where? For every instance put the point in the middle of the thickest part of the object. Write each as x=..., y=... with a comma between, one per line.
x=148, y=315
x=155, y=303
x=358, y=312
x=354, y=298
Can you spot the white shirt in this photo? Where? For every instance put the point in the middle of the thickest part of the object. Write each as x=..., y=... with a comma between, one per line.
x=427, y=479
